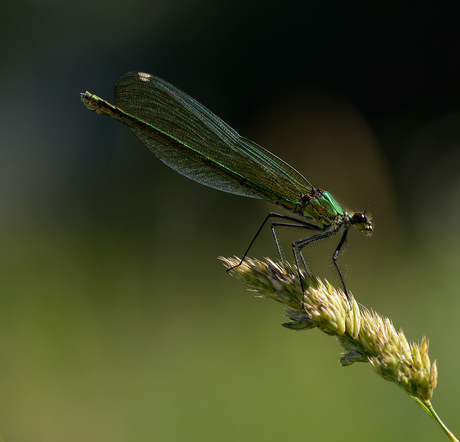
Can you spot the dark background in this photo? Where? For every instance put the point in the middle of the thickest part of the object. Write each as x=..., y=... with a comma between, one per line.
x=117, y=321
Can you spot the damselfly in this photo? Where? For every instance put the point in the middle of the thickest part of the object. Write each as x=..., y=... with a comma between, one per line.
x=196, y=143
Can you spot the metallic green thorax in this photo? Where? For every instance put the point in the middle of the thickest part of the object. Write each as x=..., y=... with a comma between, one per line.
x=319, y=206
x=323, y=207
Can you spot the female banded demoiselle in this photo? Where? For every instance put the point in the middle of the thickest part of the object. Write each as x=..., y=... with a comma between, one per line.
x=196, y=143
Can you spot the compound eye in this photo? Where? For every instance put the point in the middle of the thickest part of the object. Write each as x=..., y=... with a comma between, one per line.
x=359, y=218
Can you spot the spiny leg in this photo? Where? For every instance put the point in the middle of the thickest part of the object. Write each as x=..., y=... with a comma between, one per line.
x=301, y=243
x=305, y=226
x=306, y=241
x=299, y=224
x=334, y=260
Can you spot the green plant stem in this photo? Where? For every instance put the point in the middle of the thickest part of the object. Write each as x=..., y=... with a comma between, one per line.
x=428, y=407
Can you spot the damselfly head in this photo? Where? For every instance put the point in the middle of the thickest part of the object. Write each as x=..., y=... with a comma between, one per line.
x=363, y=222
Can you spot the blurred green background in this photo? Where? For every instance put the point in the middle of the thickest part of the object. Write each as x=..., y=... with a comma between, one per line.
x=117, y=321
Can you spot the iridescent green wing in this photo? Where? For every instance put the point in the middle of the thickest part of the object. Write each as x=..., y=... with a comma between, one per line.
x=226, y=160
